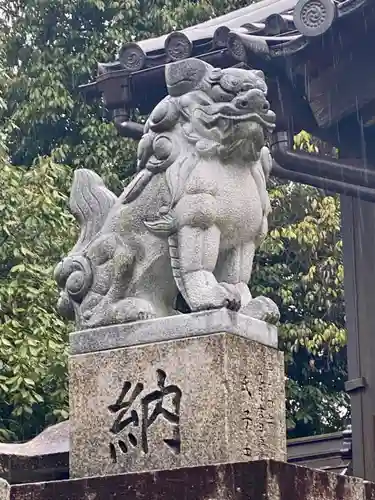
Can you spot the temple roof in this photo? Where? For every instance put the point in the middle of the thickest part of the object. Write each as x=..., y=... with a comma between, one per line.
x=314, y=53
x=268, y=18
x=276, y=27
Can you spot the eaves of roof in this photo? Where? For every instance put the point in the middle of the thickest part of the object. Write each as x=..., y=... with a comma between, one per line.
x=256, y=13
x=270, y=27
x=297, y=45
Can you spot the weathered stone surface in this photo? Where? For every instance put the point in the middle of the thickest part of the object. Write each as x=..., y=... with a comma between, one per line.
x=173, y=327
x=369, y=491
x=232, y=405
x=43, y=458
x=54, y=439
x=240, y=481
x=4, y=490
x=287, y=482
x=53, y=465
x=190, y=221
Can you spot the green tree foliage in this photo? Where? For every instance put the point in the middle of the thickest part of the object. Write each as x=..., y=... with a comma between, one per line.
x=53, y=46
x=47, y=49
x=35, y=229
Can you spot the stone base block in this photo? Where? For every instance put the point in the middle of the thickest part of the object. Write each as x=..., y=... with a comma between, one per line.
x=185, y=402
x=43, y=458
x=262, y=480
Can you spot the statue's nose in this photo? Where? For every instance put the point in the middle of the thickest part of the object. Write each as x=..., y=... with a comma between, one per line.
x=254, y=100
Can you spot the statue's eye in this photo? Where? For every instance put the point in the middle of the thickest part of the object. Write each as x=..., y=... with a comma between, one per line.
x=247, y=86
x=220, y=95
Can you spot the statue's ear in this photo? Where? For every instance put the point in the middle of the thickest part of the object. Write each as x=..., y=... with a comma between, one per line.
x=259, y=74
x=185, y=76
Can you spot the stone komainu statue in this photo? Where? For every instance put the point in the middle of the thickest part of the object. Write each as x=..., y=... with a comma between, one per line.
x=191, y=219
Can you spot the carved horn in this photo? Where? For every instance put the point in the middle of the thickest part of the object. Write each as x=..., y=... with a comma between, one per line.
x=185, y=75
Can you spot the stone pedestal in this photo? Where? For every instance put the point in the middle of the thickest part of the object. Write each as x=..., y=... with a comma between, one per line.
x=43, y=458
x=213, y=397
x=264, y=480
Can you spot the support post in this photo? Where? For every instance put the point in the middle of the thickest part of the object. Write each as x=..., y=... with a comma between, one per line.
x=358, y=232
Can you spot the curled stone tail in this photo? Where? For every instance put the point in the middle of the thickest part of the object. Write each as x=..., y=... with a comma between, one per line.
x=90, y=203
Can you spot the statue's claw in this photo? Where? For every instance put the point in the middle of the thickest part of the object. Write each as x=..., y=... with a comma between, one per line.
x=222, y=295
x=262, y=308
x=233, y=303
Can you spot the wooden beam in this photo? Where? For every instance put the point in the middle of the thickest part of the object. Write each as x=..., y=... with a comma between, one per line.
x=347, y=85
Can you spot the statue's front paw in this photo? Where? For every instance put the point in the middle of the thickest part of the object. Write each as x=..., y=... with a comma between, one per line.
x=221, y=295
x=262, y=308
x=203, y=292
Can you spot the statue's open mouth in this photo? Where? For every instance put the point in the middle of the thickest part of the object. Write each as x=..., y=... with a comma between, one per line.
x=250, y=105
x=267, y=119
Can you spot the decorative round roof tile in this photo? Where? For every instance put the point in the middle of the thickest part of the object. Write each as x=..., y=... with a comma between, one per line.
x=132, y=57
x=314, y=17
x=276, y=24
x=178, y=46
x=220, y=38
x=236, y=47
